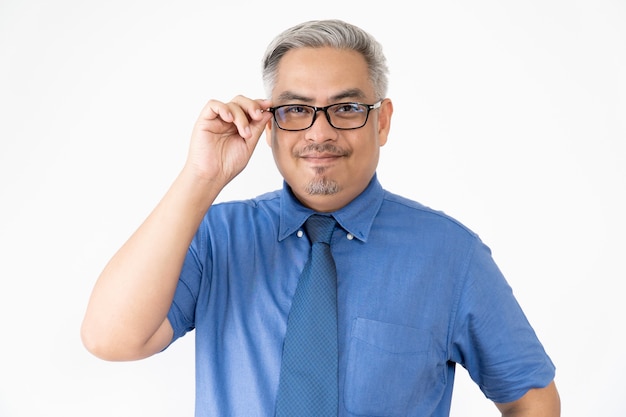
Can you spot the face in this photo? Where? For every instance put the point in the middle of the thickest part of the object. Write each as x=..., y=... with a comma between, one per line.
x=325, y=167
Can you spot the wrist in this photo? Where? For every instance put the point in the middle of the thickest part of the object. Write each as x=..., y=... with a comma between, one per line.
x=200, y=190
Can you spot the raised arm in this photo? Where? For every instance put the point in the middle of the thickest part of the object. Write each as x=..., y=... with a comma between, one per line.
x=126, y=318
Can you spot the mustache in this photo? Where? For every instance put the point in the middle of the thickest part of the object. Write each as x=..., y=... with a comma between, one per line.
x=327, y=148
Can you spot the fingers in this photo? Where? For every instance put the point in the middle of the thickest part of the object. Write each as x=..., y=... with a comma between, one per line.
x=247, y=115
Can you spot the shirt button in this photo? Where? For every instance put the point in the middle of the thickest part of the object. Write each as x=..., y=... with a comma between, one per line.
x=350, y=236
x=300, y=233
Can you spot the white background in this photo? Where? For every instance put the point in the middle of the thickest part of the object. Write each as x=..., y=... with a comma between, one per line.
x=510, y=116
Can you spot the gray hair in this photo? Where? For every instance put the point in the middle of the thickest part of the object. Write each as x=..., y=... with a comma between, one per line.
x=333, y=33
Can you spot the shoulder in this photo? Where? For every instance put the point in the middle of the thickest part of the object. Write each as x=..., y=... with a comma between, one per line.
x=240, y=218
x=268, y=202
x=415, y=215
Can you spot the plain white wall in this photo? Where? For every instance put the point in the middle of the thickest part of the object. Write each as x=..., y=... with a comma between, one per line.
x=510, y=116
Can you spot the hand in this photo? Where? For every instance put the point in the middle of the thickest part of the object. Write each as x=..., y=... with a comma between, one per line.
x=224, y=137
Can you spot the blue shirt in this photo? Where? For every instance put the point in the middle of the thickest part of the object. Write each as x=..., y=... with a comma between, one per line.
x=417, y=291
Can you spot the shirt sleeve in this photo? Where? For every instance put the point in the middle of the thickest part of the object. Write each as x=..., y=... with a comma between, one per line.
x=492, y=337
x=182, y=311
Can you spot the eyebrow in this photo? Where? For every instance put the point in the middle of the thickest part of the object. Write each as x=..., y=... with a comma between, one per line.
x=351, y=93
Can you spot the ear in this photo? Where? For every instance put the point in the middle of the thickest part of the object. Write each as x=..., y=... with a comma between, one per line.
x=384, y=120
x=268, y=133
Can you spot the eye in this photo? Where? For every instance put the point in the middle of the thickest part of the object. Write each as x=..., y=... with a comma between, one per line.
x=295, y=110
x=348, y=108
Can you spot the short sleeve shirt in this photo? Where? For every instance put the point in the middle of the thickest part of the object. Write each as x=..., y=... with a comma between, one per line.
x=418, y=293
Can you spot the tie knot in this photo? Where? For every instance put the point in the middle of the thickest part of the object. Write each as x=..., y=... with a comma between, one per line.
x=319, y=228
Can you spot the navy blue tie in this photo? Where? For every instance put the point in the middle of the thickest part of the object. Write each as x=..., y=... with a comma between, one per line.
x=308, y=375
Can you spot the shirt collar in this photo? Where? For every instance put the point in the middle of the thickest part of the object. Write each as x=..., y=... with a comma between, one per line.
x=356, y=218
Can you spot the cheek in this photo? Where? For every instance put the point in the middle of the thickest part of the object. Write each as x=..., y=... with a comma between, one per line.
x=368, y=161
x=366, y=154
x=274, y=143
x=281, y=153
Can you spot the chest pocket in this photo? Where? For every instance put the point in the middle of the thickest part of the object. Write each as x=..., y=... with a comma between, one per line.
x=392, y=370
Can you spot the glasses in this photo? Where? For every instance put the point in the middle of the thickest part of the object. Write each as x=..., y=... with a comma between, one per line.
x=343, y=116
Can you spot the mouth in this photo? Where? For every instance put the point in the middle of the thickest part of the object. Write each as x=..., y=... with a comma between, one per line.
x=320, y=162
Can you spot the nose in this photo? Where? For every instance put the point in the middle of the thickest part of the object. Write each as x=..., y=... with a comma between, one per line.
x=321, y=130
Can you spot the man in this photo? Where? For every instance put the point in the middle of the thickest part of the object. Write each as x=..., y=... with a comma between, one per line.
x=416, y=291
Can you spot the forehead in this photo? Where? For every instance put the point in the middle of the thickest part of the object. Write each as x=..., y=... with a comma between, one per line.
x=321, y=74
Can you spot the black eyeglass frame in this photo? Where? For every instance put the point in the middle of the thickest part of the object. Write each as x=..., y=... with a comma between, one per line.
x=324, y=109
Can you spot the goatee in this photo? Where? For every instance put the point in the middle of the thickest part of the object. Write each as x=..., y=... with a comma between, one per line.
x=320, y=185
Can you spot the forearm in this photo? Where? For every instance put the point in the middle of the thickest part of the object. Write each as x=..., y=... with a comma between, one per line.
x=133, y=294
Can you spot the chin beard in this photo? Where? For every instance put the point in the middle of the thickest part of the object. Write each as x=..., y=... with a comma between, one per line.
x=322, y=186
